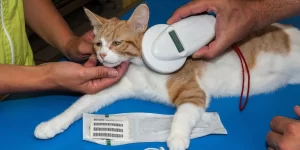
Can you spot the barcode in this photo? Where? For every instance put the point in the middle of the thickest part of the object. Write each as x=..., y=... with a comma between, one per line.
x=108, y=135
x=108, y=124
x=108, y=129
x=97, y=119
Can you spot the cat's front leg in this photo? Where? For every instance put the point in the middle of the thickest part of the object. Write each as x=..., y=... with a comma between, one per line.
x=86, y=104
x=191, y=101
x=184, y=120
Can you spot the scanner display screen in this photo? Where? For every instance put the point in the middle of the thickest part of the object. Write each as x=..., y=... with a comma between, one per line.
x=176, y=41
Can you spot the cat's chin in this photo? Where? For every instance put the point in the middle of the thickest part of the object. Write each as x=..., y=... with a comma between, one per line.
x=111, y=65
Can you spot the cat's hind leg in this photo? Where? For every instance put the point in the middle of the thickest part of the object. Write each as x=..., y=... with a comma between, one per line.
x=86, y=104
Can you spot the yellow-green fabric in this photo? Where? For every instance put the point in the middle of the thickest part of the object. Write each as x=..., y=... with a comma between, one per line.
x=12, y=16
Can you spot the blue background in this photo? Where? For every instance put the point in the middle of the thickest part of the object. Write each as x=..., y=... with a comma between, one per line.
x=246, y=130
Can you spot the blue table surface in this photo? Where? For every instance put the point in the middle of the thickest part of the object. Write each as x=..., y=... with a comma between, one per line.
x=246, y=130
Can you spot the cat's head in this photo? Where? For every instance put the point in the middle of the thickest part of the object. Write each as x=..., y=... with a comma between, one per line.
x=117, y=40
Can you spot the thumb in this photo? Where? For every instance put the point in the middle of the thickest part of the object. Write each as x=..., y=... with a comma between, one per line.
x=100, y=72
x=297, y=110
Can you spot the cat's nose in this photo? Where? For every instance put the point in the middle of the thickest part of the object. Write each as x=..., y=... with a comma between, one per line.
x=102, y=55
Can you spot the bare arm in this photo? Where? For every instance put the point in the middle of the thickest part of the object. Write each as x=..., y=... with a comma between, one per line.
x=42, y=17
x=87, y=78
x=270, y=11
x=22, y=79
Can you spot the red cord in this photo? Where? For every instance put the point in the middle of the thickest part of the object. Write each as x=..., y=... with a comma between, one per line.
x=239, y=53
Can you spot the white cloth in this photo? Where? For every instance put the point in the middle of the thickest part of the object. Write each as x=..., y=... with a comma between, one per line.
x=119, y=129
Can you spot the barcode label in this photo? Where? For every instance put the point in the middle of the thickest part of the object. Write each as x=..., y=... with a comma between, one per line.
x=109, y=127
x=108, y=135
x=108, y=124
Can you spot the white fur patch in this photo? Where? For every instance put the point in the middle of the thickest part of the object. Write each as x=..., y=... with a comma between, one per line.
x=184, y=120
x=111, y=59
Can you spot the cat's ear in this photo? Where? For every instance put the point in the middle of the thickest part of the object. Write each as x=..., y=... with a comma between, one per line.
x=95, y=19
x=139, y=19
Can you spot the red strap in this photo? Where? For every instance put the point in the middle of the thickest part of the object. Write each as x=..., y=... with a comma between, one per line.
x=242, y=59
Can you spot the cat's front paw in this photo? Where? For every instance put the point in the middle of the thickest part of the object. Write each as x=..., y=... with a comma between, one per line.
x=46, y=130
x=178, y=141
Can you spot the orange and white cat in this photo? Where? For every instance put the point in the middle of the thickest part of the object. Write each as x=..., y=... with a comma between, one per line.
x=272, y=54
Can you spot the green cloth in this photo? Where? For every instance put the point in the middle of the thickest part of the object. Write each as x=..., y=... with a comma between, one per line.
x=14, y=44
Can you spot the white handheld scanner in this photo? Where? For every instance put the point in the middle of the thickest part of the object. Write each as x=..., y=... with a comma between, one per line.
x=165, y=48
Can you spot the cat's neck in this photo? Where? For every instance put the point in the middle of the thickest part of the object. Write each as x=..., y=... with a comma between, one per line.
x=140, y=65
x=137, y=61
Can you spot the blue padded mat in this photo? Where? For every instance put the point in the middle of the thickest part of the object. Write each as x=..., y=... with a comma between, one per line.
x=246, y=130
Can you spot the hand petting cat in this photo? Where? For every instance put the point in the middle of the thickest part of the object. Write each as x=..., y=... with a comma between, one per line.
x=97, y=78
x=47, y=22
x=235, y=19
x=70, y=76
x=84, y=79
x=79, y=48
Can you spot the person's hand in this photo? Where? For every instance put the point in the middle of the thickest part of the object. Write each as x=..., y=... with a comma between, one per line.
x=79, y=49
x=234, y=20
x=87, y=78
x=285, y=133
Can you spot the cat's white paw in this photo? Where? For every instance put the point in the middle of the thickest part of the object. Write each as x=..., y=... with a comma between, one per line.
x=46, y=130
x=178, y=141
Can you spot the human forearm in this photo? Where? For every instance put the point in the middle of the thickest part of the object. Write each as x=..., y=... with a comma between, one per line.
x=42, y=17
x=87, y=78
x=270, y=11
x=15, y=79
